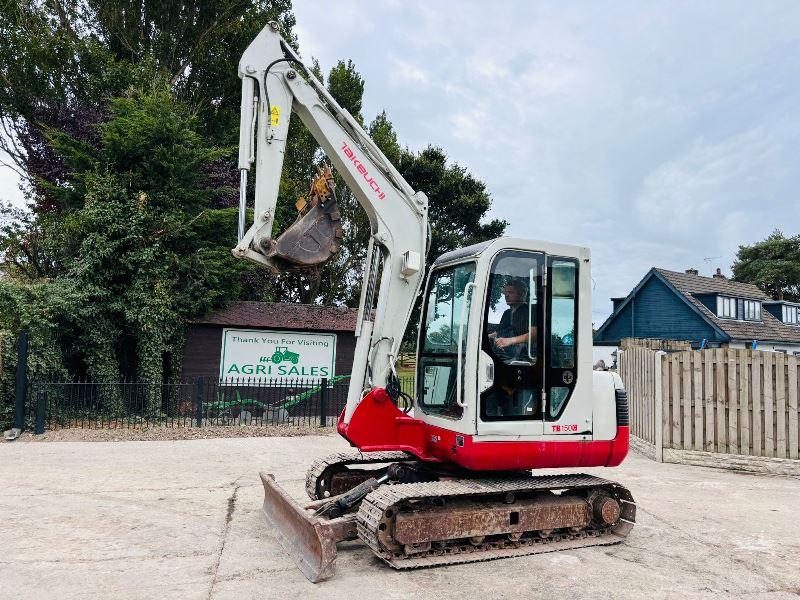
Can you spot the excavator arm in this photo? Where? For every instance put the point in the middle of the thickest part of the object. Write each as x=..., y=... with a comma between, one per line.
x=275, y=84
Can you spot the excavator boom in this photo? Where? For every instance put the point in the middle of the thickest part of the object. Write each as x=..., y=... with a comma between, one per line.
x=275, y=85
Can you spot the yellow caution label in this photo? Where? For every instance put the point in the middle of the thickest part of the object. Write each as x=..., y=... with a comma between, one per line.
x=274, y=115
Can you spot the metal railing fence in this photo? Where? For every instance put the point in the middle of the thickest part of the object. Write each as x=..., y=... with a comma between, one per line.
x=204, y=401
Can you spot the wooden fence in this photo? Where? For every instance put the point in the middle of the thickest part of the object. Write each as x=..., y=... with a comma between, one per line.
x=640, y=370
x=725, y=401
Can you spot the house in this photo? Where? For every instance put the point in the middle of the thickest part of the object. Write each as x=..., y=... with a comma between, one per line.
x=709, y=312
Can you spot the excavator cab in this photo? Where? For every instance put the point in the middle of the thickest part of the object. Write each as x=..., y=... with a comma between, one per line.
x=504, y=345
x=504, y=367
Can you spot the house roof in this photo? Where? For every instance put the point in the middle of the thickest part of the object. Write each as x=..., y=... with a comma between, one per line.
x=698, y=284
x=305, y=317
x=768, y=329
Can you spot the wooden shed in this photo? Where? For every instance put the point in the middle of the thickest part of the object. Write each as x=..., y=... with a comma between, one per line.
x=274, y=335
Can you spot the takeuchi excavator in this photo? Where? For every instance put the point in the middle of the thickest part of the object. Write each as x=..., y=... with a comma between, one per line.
x=505, y=383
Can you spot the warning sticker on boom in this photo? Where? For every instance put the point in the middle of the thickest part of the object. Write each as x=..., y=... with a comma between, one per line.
x=274, y=115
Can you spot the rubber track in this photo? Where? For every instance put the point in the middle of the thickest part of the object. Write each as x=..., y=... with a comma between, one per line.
x=351, y=457
x=375, y=504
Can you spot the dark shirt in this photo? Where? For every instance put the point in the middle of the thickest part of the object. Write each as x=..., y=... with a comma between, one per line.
x=514, y=322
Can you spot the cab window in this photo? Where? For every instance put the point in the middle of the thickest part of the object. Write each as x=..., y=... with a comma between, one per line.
x=563, y=311
x=448, y=292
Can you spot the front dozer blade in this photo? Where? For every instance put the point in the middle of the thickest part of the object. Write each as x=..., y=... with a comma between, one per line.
x=308, y=539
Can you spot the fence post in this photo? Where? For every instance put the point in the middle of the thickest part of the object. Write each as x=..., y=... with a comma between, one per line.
x=658, y=406
x=323, y=403
x=41, y=406
x=198, y=402
x=22, y=380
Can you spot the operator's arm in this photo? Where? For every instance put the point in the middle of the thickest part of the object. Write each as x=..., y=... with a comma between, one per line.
x=517, y=339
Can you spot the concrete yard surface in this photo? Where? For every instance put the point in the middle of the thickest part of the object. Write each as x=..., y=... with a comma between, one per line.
x=182, y=519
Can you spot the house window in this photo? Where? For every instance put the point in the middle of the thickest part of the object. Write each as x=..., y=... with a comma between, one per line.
x=726, y=307
x=752, y=310
x=791, y=314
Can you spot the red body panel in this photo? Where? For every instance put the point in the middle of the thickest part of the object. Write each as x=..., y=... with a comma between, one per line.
x=377, y=425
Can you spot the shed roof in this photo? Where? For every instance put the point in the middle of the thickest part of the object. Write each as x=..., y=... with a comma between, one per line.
x=279, y=315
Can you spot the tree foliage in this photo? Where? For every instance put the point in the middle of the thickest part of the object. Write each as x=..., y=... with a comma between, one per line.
x=136, y=246
x=123, y=118
x=62, y=61
x=772, y=264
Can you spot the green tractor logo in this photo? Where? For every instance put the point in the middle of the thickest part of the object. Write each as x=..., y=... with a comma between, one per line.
x=283, y=354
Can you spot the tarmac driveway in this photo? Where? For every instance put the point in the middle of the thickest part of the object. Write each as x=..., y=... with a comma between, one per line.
x=181, y=519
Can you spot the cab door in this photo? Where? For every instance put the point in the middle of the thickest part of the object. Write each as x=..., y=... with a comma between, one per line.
x=561, y=332
x=511, y=369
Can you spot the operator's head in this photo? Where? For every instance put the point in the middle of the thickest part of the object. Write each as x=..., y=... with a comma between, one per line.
x=515, y=291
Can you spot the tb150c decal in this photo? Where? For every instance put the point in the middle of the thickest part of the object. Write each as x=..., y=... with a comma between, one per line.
x=571, y=428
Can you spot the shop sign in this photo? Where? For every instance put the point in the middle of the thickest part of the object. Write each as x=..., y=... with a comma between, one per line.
x=267, y=355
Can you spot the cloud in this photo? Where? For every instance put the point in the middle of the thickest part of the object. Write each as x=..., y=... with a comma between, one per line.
x=403, y=72
x=684, y=191
x=324, y=34
x=469, y=126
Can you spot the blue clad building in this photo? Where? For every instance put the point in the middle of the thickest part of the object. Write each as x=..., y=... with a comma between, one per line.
x=709, y=312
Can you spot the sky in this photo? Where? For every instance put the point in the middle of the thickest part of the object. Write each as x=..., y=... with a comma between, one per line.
x=658, y=134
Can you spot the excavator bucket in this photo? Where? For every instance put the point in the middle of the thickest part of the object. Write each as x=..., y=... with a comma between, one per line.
x=308, y=539
x=316, y=236
x=313, y=239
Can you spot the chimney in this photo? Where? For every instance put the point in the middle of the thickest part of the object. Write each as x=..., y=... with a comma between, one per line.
x=718, y=274
x=691, y=271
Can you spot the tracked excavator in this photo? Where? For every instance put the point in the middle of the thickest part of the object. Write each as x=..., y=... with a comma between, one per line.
x=504, y=377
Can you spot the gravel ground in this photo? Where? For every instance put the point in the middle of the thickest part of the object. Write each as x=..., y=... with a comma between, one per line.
x=183, y=520
x=172, y=433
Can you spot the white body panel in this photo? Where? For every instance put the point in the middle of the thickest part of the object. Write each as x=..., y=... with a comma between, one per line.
x=605, y=384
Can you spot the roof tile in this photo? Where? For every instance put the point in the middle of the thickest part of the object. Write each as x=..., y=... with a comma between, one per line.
x=698, y=284
x=309, y=317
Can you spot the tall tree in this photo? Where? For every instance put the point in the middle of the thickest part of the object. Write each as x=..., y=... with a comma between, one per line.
x=61, y=61
x=772, y=264
x=123, y=118
x=133, y=248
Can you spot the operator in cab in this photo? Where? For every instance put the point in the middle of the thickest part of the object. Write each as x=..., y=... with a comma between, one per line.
x=512, y=334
